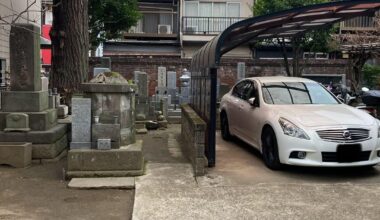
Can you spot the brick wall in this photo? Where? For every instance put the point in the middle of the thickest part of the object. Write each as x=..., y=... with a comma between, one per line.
x=227, y=70
x=193, y=130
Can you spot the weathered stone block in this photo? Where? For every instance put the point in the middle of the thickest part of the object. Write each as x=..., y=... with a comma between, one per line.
x=25, y=58
x=35, y=137
x=51, y=101
x=104, y=144
x=49, y=151
x=38, y=121
x=62, y=111
x=126, y=158
x=19, y=101
x=17, y=122
x=16, y=154
x=105, y=131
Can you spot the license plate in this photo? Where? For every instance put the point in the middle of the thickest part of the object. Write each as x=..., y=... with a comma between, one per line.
x=348, y=153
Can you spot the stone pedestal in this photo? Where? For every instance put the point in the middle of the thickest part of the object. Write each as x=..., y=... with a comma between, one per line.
x=125, y=161
x=16, y=154
x=114, y=151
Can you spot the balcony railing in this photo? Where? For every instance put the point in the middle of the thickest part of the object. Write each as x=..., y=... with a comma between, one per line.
x=207, y=25
x=359, y=23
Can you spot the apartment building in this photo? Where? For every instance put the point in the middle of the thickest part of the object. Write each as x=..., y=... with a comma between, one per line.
x=201, y=20
x=155, y=34
x=178, y=28
x=9, y=11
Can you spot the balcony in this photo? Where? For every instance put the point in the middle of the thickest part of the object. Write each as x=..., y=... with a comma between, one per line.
x=363, y=23
x=207, y=25
x=154, y=26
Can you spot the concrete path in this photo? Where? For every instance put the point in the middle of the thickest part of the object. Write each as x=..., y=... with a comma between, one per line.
x=241, y=187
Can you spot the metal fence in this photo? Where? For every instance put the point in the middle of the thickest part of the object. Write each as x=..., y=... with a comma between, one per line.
x=207, y=25
x=203, y=101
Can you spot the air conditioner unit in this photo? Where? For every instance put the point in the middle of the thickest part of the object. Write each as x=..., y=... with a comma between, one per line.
x=164, y=29
x=191, y=29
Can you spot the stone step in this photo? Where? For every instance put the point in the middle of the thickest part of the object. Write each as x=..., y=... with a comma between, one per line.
x=103, y=183
x=174, y=113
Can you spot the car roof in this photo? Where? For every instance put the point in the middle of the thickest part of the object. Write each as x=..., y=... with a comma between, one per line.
x=273, y=79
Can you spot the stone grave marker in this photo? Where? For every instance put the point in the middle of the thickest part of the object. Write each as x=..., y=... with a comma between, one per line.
x=171, y=80
x=105, y=62
x=25, y=64
x=240, y=71
x=142, y=84
x=81, y=123
x=45, y=83
x=161, y=77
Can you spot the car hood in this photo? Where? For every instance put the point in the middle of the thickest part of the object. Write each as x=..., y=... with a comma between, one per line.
x=324, y=115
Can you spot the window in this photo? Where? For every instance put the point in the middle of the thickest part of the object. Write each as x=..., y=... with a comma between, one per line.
x=212, y=9
x=2, y=72
x=213, y=17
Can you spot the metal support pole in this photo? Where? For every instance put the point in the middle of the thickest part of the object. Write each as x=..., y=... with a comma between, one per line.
x=212, y=118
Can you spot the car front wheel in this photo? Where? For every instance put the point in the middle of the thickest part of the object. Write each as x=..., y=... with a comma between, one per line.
x=225, y=129
x=270, y=150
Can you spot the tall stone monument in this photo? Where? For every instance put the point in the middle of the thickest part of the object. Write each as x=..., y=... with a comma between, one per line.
x=25, y=115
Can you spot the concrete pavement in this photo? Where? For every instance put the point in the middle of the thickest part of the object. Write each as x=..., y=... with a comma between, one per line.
x=241, y=187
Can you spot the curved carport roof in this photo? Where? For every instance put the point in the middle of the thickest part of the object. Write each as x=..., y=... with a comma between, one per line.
x=286, y=24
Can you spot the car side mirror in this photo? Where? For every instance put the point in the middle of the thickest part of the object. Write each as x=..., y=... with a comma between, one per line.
x=251, y=101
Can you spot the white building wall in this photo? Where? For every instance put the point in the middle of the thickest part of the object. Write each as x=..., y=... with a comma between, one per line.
x=9, y=9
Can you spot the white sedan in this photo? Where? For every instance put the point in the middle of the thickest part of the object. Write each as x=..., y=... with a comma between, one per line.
x=297, y=121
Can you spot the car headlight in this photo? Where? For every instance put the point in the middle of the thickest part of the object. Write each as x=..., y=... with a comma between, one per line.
x=292, y=130
x=378, y=128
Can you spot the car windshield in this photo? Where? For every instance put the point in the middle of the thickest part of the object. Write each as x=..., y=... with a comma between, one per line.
x=288, y=93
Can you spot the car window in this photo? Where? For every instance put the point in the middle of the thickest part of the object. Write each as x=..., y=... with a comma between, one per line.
x=296, y=93
x=238, y=89
x=242, y=89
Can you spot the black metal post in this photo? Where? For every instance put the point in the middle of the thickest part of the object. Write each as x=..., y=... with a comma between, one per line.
x=212, y=118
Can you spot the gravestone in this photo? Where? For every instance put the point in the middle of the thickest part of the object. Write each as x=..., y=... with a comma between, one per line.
x=26, y=116
x=161, y=77
x=81, y=123
x=25, y=64
x=105, y=62
x=45, y=83
x=135, y=76
x=142, y=84
x=240, y=71
x=171, y=80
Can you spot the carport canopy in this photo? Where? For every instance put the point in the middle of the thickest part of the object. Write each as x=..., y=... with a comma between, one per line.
x=284, y=24
x=288, y=24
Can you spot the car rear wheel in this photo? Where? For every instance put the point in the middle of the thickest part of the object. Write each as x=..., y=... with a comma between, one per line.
x=225, y=129
x=270, y=150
